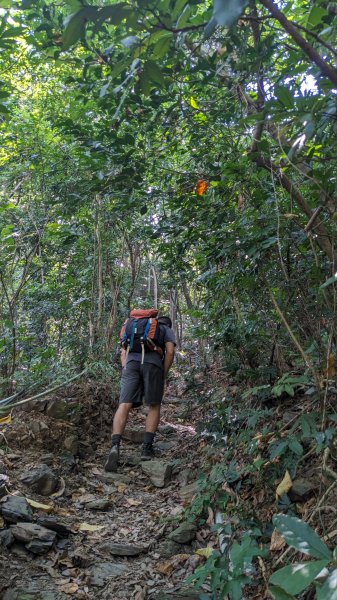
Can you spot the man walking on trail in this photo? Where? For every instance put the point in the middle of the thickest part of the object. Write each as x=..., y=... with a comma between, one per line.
x=148, y=347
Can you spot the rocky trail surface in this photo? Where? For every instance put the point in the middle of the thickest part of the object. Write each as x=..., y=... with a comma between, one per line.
x=69, y=529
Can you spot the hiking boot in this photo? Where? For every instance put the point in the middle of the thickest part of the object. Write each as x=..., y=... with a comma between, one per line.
x=147, y=452
x=112, y=460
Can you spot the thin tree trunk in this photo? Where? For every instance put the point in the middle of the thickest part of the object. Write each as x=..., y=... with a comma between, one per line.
x=100, y=290
x=155, y=286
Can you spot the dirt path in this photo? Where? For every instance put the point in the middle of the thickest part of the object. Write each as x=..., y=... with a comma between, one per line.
x=119, y=540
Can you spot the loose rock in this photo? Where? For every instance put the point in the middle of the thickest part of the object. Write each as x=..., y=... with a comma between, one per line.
x=101, y=504
x=36, y=538
x=16, y=508
x=168, y=548
x=187, y=492
x=71, y=444
x=134, y=435
x=6, y=538
x=55, y=524
x=42, y=480
x=123, y=549
x=100, y=573
x=184, y=534
x=159, y=472
x=301, y=490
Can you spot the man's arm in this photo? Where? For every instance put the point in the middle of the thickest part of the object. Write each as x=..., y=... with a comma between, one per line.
x=169, y=357
x=123, y=357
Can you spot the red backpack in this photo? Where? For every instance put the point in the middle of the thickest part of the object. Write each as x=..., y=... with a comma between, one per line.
x=141, y=333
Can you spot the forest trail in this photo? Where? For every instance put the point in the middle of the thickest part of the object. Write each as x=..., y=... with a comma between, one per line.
x=135, y=549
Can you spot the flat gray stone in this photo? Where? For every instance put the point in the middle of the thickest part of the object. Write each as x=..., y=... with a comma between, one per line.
x=166, y=429
x=158, y=471
x=115, y=478
x=184, y=534
x=15, y=509
x=99, y=574
x=123, y=549
x=42, y=480
x=101, y=504
x=55, y=524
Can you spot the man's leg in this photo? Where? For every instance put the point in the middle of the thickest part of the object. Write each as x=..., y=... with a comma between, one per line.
x=131, y=389
x=153, y=418
x=121, y=418
x=153, y=377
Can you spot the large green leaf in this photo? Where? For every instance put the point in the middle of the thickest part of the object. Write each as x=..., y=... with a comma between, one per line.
x=328, y=591
x=293, y=579
x=299, y=535
x=75, y=26
x=279, y=594
x=226, y=12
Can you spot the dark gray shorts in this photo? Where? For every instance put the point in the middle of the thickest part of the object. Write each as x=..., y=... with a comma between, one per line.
x=142, y=380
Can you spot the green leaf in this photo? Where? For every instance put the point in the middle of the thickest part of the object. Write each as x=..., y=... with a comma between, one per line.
x=328, y=591
x=6, y=3
x=300, y=536
x=329, y=281
x=293, y=579
x=226, y=12
x=75, y=26
x=315, y=16
x=115, y=13
x=295, y=447
x=279, y=594
x=284, y=96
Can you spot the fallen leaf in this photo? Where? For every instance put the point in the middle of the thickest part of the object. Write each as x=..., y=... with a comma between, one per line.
x=206, y=552
x=44, y=507
x=69, y=588
x=210, y=520
x=89, y=527
x=284, y=486
x=2, y=523
x=5, y=420
x=165, y=568
x=180, y=557
x=121, y=488
x=133, y=502
x=277, y=542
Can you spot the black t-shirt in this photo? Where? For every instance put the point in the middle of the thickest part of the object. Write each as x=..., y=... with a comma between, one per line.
x=153, y=357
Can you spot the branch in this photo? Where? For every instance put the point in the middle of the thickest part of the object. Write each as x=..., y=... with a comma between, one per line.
x=311, y=53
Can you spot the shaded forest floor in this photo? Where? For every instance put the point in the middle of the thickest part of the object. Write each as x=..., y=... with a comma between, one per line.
x=113, y=537
x=139, y=533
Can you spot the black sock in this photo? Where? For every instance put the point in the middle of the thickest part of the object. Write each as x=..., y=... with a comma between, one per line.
x=116, y=439
x=149, y=437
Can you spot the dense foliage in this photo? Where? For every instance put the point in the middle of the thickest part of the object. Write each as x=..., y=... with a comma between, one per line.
x=176, y=153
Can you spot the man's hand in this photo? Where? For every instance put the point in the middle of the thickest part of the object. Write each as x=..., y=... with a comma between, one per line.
x=123, y=358
x=169, y=357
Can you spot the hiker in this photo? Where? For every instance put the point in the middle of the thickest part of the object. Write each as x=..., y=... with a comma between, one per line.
x=148, y=346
